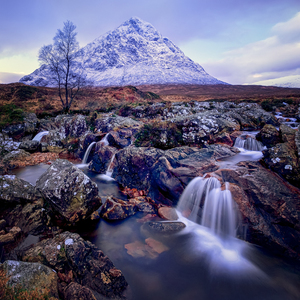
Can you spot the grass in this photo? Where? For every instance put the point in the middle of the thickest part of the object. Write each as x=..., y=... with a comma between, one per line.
x=10, y=114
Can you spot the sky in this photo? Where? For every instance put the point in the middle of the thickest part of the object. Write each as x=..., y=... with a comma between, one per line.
x=236, y=41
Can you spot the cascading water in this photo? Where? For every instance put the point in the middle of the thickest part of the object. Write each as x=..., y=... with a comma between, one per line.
x=204, y=202
x=110, y=167
x=87, y=153
x=249, y=143
x=39, y=136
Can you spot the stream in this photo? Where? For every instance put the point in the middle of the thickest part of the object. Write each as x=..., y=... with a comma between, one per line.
x=195, y=263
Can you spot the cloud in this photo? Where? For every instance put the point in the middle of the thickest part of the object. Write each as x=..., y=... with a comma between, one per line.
x=6, y=77
x=275, y=56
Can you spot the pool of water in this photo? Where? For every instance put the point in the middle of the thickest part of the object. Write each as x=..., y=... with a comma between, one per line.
x=193, y=264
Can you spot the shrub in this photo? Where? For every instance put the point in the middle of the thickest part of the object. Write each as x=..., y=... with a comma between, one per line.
x=162, y=135
x=10, y=114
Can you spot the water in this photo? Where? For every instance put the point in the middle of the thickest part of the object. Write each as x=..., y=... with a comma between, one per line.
x=87, y=153
x=196, y=263
x=40, y=135
x=110, y=167
x=249, y=143
x=292, y=122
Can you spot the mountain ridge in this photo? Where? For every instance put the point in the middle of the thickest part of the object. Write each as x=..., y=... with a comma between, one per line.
x=134, y=53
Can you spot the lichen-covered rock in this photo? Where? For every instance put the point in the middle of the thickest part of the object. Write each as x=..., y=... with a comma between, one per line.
x=69, y=192
x=30, y=146
x=116, y=209
x=30, y=276
x=282, y=159
x=110, y=123
x=22, y=205
x=101, y=158
x=115, y=140
x=90, y=267
x=269, y=136
x=297, y=140
x=16, y=190
x=269, y=207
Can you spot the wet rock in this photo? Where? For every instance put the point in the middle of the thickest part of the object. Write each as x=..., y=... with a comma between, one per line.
x=163, y=227
x=101, y=158
x=116, y=209
x=167, y=213
x=150, y=249
x=90, y=267
x=7, y=144
x=30, y=146
x=69, y=192
x=75, y=291
x=133, y=166
x=269, y=136
x=30, y=276
x=269, y=207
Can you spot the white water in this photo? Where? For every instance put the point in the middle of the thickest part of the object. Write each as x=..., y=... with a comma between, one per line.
x=110, y=166
x=104, y=140
x=291, y=122
x=249, y=143
x=39, y=136
x=204, y=202
x=87, y=153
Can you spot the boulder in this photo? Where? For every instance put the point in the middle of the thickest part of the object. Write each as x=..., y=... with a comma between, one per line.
x=14, y=190
x=31, y=276
x=282, y=159
x=75, y=291
x=163, y=227
x=7, y=144
x=101, y=158
x=116, y=141
x=108, y=124
x=116, y=209
x=269, y=136
x=269, y=207
x=287, y=134
x=22, y=205
x=30, y=146
x=90, y=267
x=69, y=192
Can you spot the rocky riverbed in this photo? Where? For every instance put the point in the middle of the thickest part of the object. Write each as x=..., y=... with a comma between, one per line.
x=152, y=152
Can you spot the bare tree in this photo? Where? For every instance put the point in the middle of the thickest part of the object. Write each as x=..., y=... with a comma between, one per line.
x=61, y=66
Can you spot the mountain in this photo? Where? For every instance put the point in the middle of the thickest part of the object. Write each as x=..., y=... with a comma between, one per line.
x=134, y=54
x=292, y=81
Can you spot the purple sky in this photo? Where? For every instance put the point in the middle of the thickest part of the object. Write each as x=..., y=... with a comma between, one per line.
x=237, y=41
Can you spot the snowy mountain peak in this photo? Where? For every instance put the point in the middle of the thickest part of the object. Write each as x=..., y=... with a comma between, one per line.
x=135, y=53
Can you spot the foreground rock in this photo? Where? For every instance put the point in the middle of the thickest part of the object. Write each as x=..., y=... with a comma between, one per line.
x=21, y=205
x=269, y=207
x=71, y=195
x=164, y=174
x=31, y=276
x=79, y=261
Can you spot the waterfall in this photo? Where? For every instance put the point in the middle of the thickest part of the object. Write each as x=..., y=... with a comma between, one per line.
x=39, y=136
x=249, y=143
x=87, y=153
x=218, y=211
x=110, y=167
x=104, y=140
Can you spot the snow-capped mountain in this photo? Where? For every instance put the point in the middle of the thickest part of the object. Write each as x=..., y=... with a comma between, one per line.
x=134, y=54
x=292, y=81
